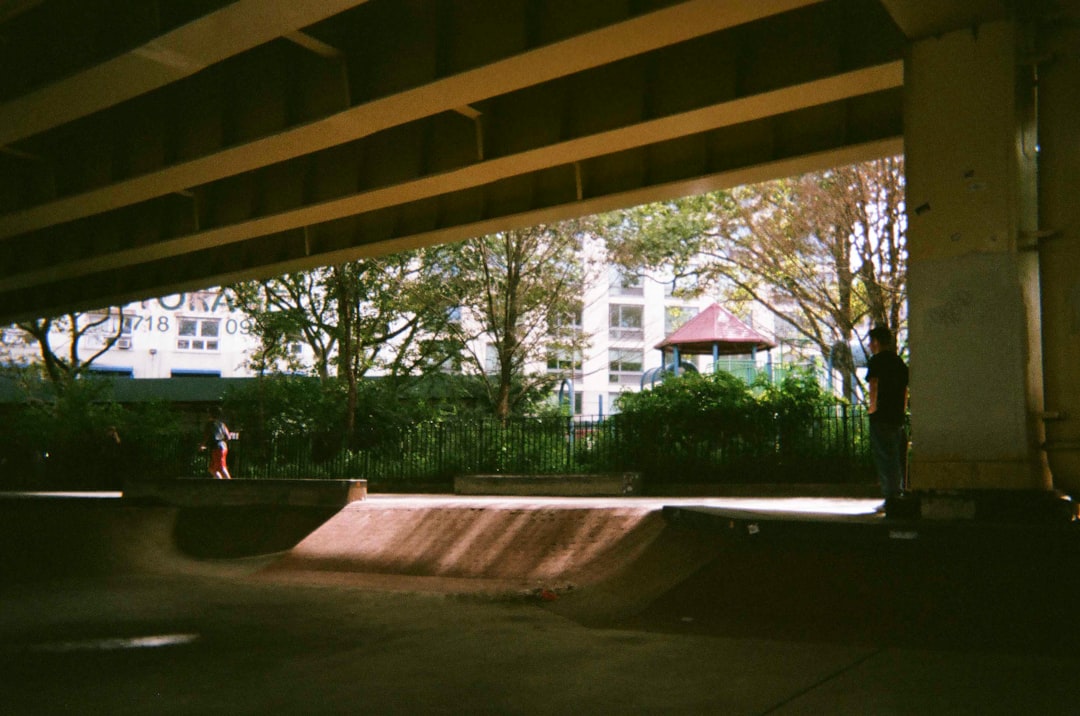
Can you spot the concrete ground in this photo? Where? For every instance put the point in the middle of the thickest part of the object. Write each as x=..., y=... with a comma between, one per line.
x=401, y=605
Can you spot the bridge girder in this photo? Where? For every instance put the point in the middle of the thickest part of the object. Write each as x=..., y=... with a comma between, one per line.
x=148, y=149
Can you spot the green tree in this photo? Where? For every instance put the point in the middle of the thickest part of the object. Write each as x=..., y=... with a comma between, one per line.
x=356, y=318
x=520, y=292
x=74, y=434
x=824, y=252
x=290, y=308
x=68, y=345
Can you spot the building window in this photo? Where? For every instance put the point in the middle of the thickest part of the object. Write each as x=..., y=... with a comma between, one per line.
x=559, y=400
x=622, y=284
x=113, y=371
x=564, y=361
x=567, y=321
x=624, y=364
x=675, y=317
x=100, y=328
x=625, y=322
x=491, y=358
x=198, y=334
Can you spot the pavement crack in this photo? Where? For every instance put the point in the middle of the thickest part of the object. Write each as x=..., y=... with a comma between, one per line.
x=822, y=681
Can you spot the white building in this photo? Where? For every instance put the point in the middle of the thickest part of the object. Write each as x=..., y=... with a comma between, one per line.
x=625, y=318
x=192, y=334
x=196, y=334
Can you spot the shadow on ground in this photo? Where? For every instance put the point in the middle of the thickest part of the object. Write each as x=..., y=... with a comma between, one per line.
x=966, y=593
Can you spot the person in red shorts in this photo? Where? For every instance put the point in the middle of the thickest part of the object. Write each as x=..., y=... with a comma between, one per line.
x=216, y=441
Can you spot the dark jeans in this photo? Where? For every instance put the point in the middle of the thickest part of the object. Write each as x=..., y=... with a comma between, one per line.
x=888, y=443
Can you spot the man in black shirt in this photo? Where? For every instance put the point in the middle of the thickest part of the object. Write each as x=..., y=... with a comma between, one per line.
x=887, y=376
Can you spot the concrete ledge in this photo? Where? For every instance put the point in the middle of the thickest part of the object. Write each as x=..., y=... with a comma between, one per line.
x=206, y=492
x=604, y=485
x=766, y=489
x=1009, y=506
x=873, y=532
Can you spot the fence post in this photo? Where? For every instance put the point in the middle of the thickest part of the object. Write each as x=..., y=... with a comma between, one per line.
x=844, y=421
x=849, y=448
x=569, y=440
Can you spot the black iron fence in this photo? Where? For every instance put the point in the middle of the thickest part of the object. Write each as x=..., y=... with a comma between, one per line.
x=830, y=446
x=826, y=447
x=434, y=452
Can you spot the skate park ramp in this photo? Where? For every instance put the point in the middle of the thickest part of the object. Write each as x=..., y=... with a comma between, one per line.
x=89, y=535
x=640, y=563
x=599, y=558
x=648, y=564
x=592, y=559
x=461, y=545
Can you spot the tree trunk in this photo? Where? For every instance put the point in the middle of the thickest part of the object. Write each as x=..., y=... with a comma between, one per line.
x=346, y=346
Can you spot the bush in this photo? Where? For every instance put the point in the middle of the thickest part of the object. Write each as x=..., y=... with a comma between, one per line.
x=75, y=436
x=700, y=428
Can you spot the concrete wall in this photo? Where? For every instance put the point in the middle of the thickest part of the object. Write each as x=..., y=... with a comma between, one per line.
x=976, y=350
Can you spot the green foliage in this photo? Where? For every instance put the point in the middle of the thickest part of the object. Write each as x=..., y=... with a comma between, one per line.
x=798, y=395
x=56, y=418
x=718, y=428
x=290, y=421
x=384, y=314
x=717, y=394
x=517, y=289
x=75, y=436
x=825, y=252
x=64, y=366
x=693, y=418
x=284, y=404
x=401, y=315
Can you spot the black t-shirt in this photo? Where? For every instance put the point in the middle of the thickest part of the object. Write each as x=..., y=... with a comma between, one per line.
x=892, y=376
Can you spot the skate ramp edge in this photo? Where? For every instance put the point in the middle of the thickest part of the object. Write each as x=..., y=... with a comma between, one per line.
x=55, y=537
x=202, y=492
x=593, y=563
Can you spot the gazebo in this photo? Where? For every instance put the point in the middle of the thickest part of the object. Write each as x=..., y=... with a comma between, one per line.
x=716, y=332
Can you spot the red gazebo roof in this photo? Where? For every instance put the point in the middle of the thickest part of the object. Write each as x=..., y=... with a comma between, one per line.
x=715, y=326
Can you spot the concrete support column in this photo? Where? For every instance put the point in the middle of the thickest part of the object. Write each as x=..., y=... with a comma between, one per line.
x=1059, y=244
x=975, y=324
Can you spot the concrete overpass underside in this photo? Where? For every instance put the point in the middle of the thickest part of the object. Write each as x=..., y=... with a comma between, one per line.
x=145, y=153
x=148, y=148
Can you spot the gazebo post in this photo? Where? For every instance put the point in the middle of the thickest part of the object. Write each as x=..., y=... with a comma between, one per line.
x=715, y=357
x=675, y=352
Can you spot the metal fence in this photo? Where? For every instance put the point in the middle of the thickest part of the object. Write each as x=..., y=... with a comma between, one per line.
x=829, y=446
x=826, y=447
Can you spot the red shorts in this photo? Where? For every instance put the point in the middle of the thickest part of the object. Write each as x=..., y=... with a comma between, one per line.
x=217, y=457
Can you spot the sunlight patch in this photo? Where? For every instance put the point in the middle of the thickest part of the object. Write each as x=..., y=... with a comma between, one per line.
x=117, y=643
